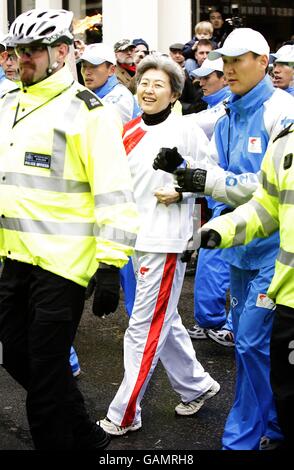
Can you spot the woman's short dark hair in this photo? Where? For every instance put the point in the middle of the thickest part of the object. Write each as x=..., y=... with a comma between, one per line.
x=159, y=62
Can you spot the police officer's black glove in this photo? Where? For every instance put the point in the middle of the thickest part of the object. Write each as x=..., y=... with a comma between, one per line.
x=186, y=256
x=106, y=286
x=191, y=180
x=210, y=238
x=167, y=160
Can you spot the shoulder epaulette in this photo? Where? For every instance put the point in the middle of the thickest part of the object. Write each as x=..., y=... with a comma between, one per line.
x=284, y=132
x=92, y=101
x=13, y=90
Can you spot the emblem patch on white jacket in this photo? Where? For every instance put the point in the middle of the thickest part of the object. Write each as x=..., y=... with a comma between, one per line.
x=254, y=145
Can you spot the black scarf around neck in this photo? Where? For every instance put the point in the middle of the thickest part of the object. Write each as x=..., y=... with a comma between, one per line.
x=152, y=119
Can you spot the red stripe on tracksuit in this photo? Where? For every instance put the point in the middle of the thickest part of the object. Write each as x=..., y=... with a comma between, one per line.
x=131, y=140
x=153, y=335
x=131, y=124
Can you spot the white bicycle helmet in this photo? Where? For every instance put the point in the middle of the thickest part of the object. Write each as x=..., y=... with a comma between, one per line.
x=46, y=27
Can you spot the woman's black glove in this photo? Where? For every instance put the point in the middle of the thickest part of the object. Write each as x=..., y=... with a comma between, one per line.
x=106, y=286
x=168, y=160
x=191, y=180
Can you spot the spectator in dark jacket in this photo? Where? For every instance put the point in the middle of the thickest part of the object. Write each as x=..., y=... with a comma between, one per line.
x=141, y=50
x=221, y=29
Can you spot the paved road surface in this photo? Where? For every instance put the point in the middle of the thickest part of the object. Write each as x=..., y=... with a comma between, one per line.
x=99, y=345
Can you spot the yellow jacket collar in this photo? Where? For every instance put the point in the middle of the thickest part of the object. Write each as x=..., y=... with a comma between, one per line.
x=52, y=85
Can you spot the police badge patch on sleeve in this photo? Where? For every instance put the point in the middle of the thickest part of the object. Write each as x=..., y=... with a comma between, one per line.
x=92, y=101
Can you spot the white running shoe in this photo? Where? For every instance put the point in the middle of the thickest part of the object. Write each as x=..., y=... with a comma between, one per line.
x=192, y=407
x=76, y=373
x=223, y=337
x=196, y=332
x=115, y=429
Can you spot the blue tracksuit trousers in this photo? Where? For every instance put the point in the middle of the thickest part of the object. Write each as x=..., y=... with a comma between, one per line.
x=212, y=281
x=253, y=413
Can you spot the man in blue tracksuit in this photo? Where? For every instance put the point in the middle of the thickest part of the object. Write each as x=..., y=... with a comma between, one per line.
x=256, y=113
x=212, y=277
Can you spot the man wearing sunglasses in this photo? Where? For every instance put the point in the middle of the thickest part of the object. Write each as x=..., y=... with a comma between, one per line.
x=63, y=215
x=6, y=84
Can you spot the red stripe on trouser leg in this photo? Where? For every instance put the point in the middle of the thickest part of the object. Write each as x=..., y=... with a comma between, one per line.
x=153, y=335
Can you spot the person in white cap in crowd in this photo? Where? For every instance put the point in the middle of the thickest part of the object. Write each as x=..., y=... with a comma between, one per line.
x=125, y=63
x=283, y=68
x=215, y=94
x=6, y=84
x=98, y=71
x=212, y=277
x=256, y=114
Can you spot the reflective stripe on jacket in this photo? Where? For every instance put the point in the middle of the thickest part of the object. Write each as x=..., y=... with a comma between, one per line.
x=66, y=198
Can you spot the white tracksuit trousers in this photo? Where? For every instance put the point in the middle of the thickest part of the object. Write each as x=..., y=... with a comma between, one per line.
x=156, y=332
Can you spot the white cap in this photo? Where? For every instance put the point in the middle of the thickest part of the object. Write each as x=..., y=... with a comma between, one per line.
x=240, y=41
x=208, y=67
x=284, y=54
x=98, y=53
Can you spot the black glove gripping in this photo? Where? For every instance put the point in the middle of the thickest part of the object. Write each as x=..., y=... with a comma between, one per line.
x=186, y=256
x=210, y=238
x=191, y=180
x=167, y=160
x=106, y=286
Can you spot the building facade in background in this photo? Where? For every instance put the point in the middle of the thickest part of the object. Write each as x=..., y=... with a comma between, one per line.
x=163, y=22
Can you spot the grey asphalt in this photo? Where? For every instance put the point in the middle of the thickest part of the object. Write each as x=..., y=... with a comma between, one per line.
x=99, y=343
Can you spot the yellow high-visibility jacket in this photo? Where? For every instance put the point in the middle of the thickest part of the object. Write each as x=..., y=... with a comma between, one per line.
x=66, y=200
x=270, y=209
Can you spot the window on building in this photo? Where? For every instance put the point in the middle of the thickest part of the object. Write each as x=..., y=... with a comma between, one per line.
x=27, y=5
x=87, y=19
x=273, y=18
x=16, y=7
